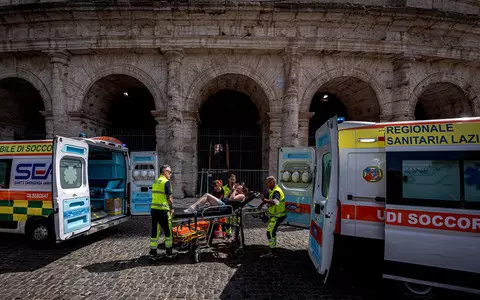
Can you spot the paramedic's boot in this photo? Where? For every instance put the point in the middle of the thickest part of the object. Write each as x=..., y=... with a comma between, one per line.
x=270, y=254
x=153, y=255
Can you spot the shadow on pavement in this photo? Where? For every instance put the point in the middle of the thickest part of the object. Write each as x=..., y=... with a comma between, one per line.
x=290, y=275
x=19, y=255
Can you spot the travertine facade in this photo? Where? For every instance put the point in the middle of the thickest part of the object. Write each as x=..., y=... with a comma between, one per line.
x=380, y=57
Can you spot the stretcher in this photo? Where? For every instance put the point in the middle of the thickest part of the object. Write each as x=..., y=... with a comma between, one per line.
x=195, y=231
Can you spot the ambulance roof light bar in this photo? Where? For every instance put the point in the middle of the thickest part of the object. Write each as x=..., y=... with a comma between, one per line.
x=340, y=120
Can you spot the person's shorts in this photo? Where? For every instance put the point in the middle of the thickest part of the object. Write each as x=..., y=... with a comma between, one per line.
x=222, y=202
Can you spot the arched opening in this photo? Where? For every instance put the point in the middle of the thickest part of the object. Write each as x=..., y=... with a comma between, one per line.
x=121, y=107
x=229, y=135
x=20, y=107
x=347, y=97
x=442, y=100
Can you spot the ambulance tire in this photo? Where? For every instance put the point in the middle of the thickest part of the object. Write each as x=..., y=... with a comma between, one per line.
x=39, y=230
x=417, y=291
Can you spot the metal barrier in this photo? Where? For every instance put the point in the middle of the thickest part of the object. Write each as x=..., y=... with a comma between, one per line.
x=254, y=179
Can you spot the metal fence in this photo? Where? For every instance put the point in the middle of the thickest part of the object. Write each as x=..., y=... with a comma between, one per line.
x=254, y=179
x=136, y=139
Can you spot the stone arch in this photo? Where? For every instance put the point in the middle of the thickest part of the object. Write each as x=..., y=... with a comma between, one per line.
x=31, y=78
x=332, y=74
x=197, y=93
x=470, y=95
x=128, y=70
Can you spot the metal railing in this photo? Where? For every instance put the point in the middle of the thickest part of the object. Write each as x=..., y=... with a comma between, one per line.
x=254, y=179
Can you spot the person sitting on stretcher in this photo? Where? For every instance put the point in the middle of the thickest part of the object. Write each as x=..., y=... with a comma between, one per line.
x=237, y=195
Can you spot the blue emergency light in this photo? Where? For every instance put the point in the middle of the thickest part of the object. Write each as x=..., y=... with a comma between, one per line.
x=340, y=120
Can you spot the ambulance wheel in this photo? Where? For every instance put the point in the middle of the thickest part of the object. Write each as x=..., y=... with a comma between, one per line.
x=417, y=291
x=39, y=231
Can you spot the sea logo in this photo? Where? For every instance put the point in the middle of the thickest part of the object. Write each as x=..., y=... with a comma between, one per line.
x=36, y=171
x=372, y=174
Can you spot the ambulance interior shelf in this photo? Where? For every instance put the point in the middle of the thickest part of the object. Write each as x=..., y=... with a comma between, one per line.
x=106, y=171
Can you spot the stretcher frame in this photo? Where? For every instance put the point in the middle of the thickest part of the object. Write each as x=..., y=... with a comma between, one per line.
x=203, y=243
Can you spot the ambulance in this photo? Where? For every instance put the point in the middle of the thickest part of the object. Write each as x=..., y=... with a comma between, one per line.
x=411, y=189
x=64, y=188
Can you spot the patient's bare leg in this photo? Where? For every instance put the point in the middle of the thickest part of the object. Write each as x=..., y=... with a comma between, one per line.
x=199, y=202
x=212, y=199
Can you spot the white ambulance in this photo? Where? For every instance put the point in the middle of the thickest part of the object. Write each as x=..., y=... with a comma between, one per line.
x=63, y=188
x=413, y=188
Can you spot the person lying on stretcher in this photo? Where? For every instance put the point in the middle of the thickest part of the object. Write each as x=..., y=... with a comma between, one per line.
x=208, y=200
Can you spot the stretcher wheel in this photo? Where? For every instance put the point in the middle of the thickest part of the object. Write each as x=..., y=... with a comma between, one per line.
x=239, y=253
x=196, y=257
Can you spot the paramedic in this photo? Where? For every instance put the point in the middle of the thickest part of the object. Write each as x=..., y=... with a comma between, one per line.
x=227, y=190
x=276, y=211
x=161, y=211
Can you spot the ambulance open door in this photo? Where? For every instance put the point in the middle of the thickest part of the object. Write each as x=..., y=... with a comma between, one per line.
x=324, y=210
x=295, y=177
x=143, y=172
x=71, y=194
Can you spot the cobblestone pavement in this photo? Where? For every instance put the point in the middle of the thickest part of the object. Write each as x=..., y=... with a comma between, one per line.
x=113, y=265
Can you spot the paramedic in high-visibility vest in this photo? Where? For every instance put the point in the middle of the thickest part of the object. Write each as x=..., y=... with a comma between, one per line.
x=162, y=211
x=276, y=211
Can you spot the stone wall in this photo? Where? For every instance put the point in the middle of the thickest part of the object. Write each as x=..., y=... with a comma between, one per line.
x=380, y=61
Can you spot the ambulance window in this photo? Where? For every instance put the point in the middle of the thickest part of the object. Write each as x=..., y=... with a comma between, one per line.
x=431, y=180
x=471, y=171
x=5, y=166
x=326, y=168
x=71, y=173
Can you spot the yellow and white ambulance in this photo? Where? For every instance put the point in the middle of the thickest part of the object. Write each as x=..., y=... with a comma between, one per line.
x=63, y=188
x=412, y=186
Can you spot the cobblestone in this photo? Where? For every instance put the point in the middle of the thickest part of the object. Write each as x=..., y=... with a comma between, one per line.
x=113, y=265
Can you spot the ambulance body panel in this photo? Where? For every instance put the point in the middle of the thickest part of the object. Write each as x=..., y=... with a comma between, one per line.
x=63, y=188
x=428, y=211
x=144, y=170
x=296, y=168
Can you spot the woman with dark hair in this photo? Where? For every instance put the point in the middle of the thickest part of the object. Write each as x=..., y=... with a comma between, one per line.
x=237, y=195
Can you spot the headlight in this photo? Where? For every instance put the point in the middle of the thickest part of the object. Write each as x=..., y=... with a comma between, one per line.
x=151, y=175
x=295, y=176
x=306, y=176
x=136, y=175
x=286, y=176
x=144, y=175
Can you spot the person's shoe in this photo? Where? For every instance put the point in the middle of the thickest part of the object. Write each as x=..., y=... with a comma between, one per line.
x=189, y=210
x=153, y=254
x=270, y=254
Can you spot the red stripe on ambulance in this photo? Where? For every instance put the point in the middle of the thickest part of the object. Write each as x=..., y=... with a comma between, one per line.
x=433, y=220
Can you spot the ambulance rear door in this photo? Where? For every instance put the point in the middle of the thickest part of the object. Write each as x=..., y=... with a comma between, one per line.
x=71, y=194
x=143, y=171
x=324, y=210
x=295, y=169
